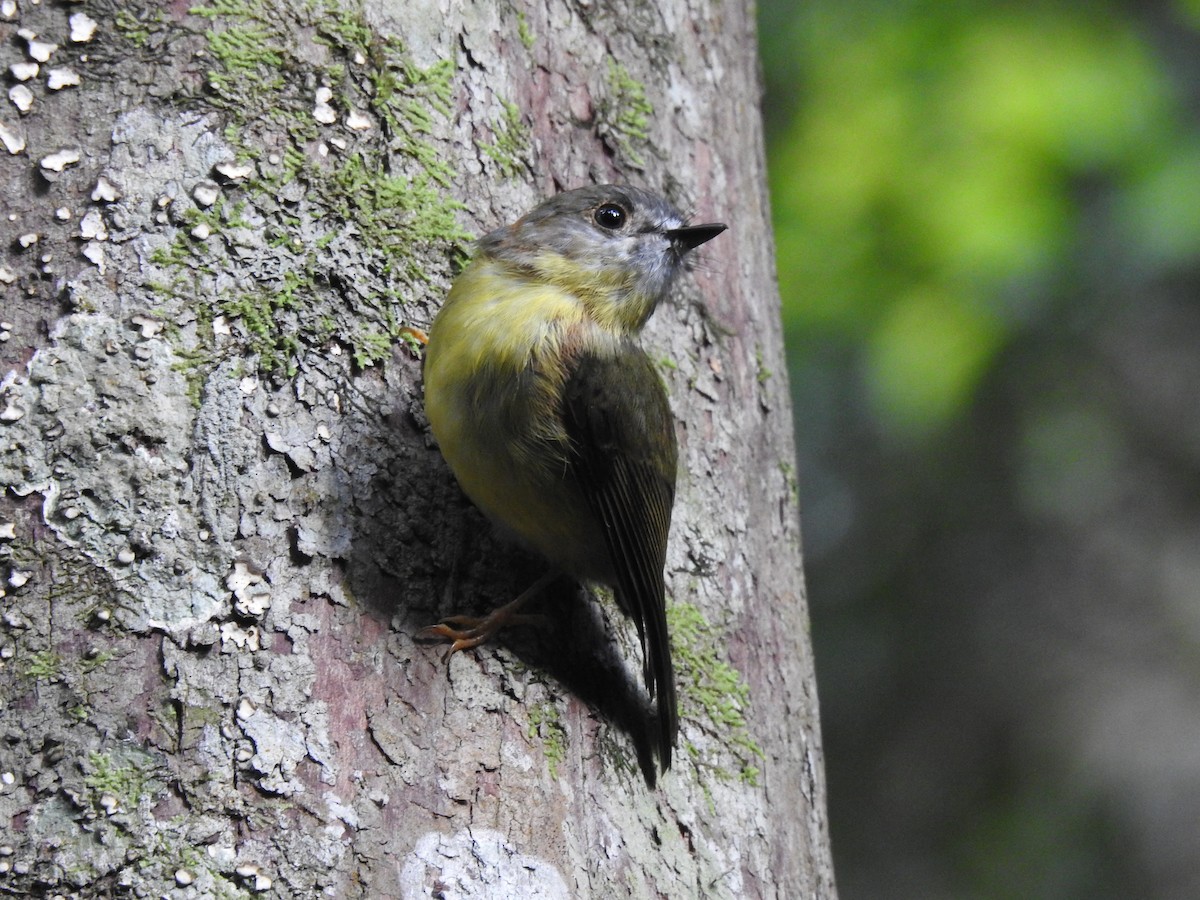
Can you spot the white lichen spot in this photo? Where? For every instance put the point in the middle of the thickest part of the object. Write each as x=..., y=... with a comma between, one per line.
x=8, y=531
x=12, y=137
x=234, y=171
x=105, y=191
x=58, y=79
x=202, y=231
x=21, y=96
x=94, y=254
x=8, y=9
x=183, y=877
x=91, y=226
x=251, y=595
x=109, y=803
x=358, y=121
x=23, y=71
x=125, y=556
x=28, y=239
x=56, y=162
x=220, y=325
x=148, y=326
x=11, y=413
x=19, y=578
x=6, y=275
x=248, y=385
x=260, y=884
x=322, y=111
x=63, y=213
x=254, y=603
x=242, y=638
x=242, y=576
x=8, y=778
x=39, y=50
x=83, y=27
x=206, y=193
x=246, y=708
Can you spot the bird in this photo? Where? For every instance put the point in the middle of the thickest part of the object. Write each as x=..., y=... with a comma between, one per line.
x=554, y=420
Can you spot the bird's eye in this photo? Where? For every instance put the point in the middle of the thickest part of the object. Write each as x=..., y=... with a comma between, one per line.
x=610, y=216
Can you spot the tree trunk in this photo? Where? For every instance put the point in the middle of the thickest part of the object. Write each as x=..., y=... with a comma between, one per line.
x=224, y=519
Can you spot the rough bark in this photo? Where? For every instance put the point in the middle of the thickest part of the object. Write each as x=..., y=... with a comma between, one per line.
x=223, y=519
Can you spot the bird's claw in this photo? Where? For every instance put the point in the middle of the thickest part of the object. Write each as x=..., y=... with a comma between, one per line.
x=465, y=632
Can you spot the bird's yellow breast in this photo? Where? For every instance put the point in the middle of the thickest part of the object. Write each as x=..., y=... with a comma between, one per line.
x=495, y=369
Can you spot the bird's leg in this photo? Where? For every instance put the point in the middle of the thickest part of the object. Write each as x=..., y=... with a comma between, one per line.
x=469, y=631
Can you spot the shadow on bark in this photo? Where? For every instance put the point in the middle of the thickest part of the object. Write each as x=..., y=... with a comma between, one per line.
x=420, y=551
x=579, y=649
x=575, y=644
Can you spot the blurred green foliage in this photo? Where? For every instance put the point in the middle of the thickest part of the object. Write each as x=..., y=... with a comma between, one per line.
x=987, y=222
x=926, y=161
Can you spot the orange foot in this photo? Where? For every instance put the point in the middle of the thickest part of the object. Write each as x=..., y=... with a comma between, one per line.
x=468, y=631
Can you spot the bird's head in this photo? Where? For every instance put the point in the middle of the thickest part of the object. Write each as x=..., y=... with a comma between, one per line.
x=616, y=247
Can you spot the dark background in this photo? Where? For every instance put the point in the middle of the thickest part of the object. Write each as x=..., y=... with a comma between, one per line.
x=988, y=229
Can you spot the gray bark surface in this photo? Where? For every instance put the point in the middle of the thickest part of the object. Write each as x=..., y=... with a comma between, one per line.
x=223, y=519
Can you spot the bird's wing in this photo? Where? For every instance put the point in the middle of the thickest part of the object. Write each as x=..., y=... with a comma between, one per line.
x=623, y=456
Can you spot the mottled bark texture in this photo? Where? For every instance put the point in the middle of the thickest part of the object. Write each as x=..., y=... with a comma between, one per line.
x=223, y=518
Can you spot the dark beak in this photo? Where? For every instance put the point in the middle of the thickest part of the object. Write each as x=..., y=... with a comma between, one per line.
x=689, y=237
